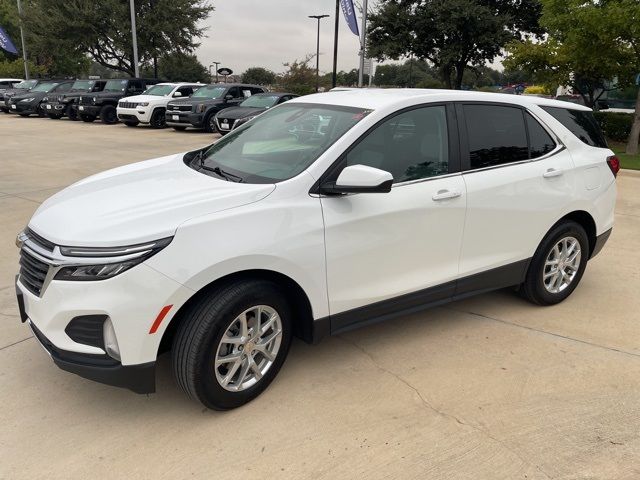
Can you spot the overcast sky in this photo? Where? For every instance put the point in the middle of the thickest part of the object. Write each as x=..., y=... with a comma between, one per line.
x=249, y=33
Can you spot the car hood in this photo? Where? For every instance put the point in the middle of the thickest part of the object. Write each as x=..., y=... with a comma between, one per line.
x=144, y=98
x=235, y=113
x=36, y=95
x=196, y=100
x=137, y=203
x=10, y=92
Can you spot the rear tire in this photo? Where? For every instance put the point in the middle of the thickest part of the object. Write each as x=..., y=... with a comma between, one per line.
x=158, y=119
x=199, y=346
x=70, y=113
x=558, y=264
x=108, y=115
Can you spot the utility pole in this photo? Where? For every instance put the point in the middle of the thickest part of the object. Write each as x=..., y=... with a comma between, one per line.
x=212, y=64
x=24, y=48
x=334, y=78
x=363, y=43
x=134, y=37
x=318, y=17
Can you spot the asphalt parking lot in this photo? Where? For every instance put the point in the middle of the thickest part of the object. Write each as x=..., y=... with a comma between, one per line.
x=487, y=388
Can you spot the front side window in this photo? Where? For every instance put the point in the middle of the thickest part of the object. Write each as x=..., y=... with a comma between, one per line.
x=209, y=91
x=64, y=87
x=411, y=145
x=115, y=86
x=581, y=123
x=82, y=86
x=278, y=144
x=496, y=135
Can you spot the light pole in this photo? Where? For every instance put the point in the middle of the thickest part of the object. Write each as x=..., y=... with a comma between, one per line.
x=363, y=42
x=134, y=38
x=318, y=17
x=334, y=77
x=212, y=64
x=24, y=48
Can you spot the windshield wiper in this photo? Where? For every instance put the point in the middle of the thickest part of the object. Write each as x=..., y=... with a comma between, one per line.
x=217, y=170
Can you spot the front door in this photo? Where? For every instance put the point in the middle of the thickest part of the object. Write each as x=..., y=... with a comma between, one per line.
x=390, y=252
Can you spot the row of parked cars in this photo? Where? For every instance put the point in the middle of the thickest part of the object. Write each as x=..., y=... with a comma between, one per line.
x=215, y=107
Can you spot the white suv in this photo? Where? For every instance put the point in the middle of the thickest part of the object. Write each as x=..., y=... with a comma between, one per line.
x=152, y=104
x=328, y=212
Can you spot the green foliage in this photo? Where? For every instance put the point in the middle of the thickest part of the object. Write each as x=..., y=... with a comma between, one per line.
x=179, y=67
x=259, y=76
x=615, y=125
x=299, y=77
x=411, y=73
x=538, y=90
x=62, y=34
x=451, y=34
x=15, y=69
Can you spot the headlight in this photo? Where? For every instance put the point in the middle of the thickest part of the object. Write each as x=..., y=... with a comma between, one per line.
x=94, y=100
x=143, y=104
x=102, y=263
x=45, y=99
x=200, y=108
x=244, y=120
x=60, y=98
x=27, y=100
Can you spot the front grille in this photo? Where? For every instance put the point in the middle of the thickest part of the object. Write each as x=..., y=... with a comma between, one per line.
x=179, y=108
x=85, y=100
x=87, y=329
x=128, y=104
x=227, y=121
x=32, y=272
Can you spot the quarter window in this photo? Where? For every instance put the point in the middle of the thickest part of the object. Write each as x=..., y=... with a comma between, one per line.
x=581, y=123
x=411, y=145
x=496, y=135
x=540, y=142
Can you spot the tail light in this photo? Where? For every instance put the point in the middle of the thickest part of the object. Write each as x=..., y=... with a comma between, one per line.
x=614, y=164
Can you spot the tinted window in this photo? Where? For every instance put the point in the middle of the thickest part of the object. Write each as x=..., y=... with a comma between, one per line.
x=540, y=142
x=411, y=145
x=496, y=135
x=234, y=92
x=186, y=91
x=581, y=123
x=65, y=87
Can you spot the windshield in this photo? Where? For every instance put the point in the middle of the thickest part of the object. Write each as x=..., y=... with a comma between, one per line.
x=280, y=143
x=44, y=87
x=26, y=84
x=210, y=91
x=82, y=86
x=160, y=90
x=115, y=86
x=260, y=101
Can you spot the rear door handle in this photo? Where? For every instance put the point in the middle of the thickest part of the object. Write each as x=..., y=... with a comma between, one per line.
x=552, y=172
x=445, y=195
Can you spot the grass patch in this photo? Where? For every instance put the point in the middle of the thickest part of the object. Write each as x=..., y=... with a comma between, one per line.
x=626, y=161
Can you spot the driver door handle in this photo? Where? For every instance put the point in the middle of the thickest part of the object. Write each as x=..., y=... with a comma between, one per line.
x=445, y=195
x=552, y=172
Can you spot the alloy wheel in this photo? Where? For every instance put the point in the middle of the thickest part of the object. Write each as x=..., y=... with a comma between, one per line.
x=562, y=264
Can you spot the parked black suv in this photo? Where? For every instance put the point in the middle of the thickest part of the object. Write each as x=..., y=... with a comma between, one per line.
x=21, y=87
x=232, y=117
x=57, y=106
x=30, y=102
x=199, y=109
x=103, y=104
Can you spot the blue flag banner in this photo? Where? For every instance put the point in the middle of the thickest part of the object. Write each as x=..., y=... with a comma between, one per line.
x=6, y=43
x=350, y=15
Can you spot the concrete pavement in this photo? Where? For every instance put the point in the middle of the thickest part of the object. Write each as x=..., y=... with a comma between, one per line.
x=487, y=388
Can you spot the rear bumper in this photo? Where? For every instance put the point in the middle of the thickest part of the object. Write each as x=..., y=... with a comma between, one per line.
x=600, y=242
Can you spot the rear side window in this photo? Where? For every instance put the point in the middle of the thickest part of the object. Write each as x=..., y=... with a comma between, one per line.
x=496, y=134
x=540, y=142
x=581, y=123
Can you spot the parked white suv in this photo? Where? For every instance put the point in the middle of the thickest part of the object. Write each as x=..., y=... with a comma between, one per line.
x=328, y=212
x=150, y=106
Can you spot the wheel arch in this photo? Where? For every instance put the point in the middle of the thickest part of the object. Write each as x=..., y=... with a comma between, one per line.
x=300, y=303
x=586, y=221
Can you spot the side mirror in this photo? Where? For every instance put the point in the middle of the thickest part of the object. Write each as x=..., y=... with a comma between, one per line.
x=177, y=94
x=228, y=97
x=359, y=179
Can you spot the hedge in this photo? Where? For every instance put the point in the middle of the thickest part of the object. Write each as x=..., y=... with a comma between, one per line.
x=615, y=125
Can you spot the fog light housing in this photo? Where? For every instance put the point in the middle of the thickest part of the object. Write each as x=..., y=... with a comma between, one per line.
x=110, y=340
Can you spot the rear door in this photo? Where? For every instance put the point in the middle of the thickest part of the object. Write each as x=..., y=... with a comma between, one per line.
x=519, y=180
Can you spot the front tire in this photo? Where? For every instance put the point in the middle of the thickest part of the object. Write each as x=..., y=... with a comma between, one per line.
x=108, y=115
x=210, y=123
x=232, y=343
x=87, y=118
x=53, y=116
x=158, y=119
x=71, y=113
x=558, y=264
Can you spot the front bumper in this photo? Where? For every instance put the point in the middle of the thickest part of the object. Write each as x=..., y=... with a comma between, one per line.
x=140, y=114
x=53, y=107
x=89, y=110
x=27, y=108
x=176, y=118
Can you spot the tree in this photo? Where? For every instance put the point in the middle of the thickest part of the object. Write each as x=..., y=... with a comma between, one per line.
x=299, y=78
x=102, y=29
x=181, y=67
x=259, y=76
x=451, y=34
